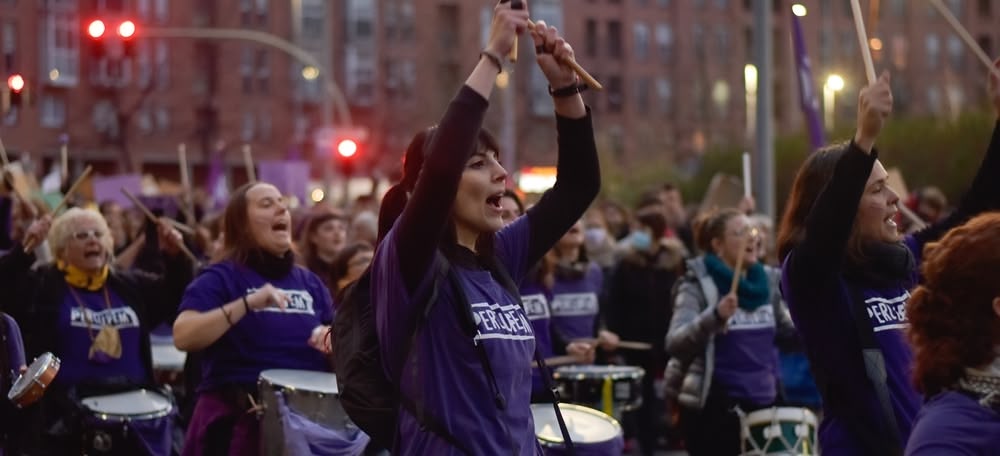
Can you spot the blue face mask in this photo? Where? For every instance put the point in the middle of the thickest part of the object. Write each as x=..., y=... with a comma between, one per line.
x=641, y=240
x=594, y=236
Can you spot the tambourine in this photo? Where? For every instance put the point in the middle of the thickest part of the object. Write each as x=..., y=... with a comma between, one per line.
x=31, y=385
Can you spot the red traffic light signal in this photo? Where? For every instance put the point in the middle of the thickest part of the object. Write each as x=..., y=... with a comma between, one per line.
x=96, y=29
x=347, y=148
x=15, y=83
x=126, y=29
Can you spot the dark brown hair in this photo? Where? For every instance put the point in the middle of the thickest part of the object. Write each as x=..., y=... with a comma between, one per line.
x=712, y=225
x=952, y=321
x=306, y=248
x=238, y=241
x=815, y=173
x=342, y=262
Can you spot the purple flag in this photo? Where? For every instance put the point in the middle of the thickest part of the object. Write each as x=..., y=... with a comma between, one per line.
x=108, y=188
x=291, y=177
x=808, y=99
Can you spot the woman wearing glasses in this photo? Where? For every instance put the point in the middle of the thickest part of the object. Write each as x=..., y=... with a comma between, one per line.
x=721, y=343
x=93, y=317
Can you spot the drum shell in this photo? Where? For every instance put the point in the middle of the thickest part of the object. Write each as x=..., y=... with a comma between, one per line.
x=322, y=408
x=779, y=431
x=587, y=388
x=111, y=432
x=587, y=418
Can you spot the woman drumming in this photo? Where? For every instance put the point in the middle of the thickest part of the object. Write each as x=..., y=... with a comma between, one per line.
x=251, y=311
x=95, y=318
x=847, y=272
x=722, y=345
x=453, y=211
x=955, y=331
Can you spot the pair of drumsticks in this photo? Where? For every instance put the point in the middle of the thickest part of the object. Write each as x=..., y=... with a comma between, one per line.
x=582, y=73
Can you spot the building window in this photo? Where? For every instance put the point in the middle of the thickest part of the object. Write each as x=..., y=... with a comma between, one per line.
x=955, y=51
x=144, y=121
x=590, y=38
x=406, y=20
x=401, y=79
x=722, y=40
x=52, y=111
x=956, y=7
x=144, y=64
x=313, y=18
x=985, y=7
x=614, y=39
x=246, y=13
x=616, y=99
x=664, y=42
x=262, y=12
x=642, y=95
x=162, y=64
x=163, y=119
x=246, y=70
x=248, y=128
x=933, y=48
x=663, y=96
x=162, y=11
x=640, y=36
x=934, y=100
x=8, y=38
x=263, y=72
x=142, y=8
x=62, y=48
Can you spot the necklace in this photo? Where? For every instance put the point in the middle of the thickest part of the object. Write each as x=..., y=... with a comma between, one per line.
x=106, y=345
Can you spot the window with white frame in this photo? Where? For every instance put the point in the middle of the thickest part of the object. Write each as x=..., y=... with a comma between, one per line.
x=8, y=36
x=163, y=119
x=246, y=13
x=62, y=48
x=162, y=64
x=955, y=51
x=263, y=71
x=248, y=129
x=933, y=48
x=262, y=7
x=664, y=42
x=640, y=41
x=52, y=111
x=664, y=96
x=144, y=63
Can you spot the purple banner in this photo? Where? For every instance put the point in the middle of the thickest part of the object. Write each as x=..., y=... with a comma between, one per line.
x=109, y=188
x=808, y=99
x=290, y=176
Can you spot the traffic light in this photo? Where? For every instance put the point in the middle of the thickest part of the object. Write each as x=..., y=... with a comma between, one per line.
x=347, y=155
x=102, y=44
x=14, y=92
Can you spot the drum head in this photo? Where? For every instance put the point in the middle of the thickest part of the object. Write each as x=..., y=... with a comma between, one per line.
x=613, y=372
x=319, y=382
x=35, y=370
x=782, y=414
x=131, y=403
x=585, y=425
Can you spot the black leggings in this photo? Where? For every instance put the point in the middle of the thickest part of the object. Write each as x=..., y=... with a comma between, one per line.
x=715, y=429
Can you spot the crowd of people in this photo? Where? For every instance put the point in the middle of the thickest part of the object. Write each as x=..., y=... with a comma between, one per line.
x=717, y=310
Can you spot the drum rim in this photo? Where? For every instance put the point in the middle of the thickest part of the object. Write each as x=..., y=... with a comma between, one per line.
x=579, y=408
x=262, y=379
x=120, y=418
x=637, y=373
x=24, y=382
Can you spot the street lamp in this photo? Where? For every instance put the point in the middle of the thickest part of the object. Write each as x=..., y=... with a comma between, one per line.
x=834, y=84
x=750, y=82
x=799, y=9
x=310, y=73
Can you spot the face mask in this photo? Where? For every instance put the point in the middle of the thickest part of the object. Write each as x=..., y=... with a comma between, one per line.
x=641, y=240
x=595, y=236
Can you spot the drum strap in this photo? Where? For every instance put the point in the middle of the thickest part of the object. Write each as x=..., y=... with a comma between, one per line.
x=875, y=368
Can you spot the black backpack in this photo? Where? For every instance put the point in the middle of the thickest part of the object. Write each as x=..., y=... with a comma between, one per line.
x=371, y=399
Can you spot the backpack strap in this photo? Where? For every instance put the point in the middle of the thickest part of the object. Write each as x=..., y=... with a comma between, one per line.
x=504, y=277
x=874, y=361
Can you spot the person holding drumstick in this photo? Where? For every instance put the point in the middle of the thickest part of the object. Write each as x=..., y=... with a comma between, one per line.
x=722, y=342
x=955, y=332
x=253, y=310
x=454, y=210
x=95, y=318
x=847, y=277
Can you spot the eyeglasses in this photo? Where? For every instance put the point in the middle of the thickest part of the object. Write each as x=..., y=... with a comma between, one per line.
x=87, y=234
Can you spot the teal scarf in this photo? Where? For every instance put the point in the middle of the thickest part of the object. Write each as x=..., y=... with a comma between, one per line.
x=753, y=290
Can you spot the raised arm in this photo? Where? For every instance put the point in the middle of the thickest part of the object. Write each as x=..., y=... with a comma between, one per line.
x=425, y=217
x=578, y=171
x=818, y=258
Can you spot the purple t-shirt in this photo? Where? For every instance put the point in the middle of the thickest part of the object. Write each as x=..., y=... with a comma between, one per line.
x=952, y=423
x=264, y=339
x=746, y=358
x=575, y=306
x=74, y=339
x=443, y=370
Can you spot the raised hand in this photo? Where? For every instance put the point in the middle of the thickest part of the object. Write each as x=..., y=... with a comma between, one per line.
x=874, y=105
x=507, y=24
x=583, y=352
x=551, y=51
x=170, y=238
x=727, y=306
x=37, y=232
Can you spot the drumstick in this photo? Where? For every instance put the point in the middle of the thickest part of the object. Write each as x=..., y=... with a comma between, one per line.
x=152, y=218
x=626, y=344
x=3, y=155
x=557, y=361
x=964, y=34
x=587, y=78
x=735, y=286
x=866, y=53
x=72, y=189
x=248, y=163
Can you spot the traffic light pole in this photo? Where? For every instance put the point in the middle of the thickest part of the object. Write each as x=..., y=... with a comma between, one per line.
x=333, y=93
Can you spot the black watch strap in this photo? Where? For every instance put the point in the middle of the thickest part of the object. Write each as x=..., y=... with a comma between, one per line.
x=567, y=91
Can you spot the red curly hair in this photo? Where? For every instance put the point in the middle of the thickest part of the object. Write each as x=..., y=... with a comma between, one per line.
x=952, y=322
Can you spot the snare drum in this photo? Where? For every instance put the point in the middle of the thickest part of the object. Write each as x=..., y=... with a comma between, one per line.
x=30, y=386
x=133, y=422
x=313, y=395
x=779, y=430
x=593, y=432
x=168, y=363
x=610, y=389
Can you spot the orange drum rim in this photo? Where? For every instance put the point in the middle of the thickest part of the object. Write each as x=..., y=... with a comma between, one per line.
x=31, y=385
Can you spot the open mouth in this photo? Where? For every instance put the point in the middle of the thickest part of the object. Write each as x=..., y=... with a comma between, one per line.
x=281, y=226
x=494, y=201
x=890, y=221
x=93, y=253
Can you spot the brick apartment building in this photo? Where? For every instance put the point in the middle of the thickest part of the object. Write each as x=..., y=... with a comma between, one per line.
x=673, y=72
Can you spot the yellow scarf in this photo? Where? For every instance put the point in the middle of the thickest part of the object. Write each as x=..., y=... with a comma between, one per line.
x=80, y=279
